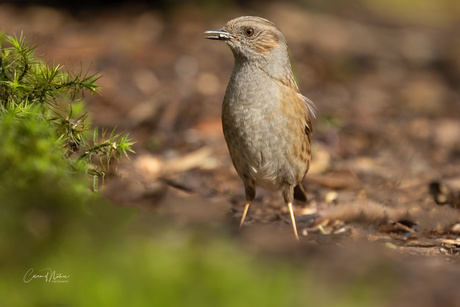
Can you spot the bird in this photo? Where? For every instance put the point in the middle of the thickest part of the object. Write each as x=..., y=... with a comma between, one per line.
x=266, y=121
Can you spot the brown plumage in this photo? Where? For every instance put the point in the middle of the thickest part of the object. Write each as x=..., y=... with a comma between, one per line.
x=266, y=121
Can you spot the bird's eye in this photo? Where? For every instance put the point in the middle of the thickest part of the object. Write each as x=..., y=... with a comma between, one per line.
x=249, y=32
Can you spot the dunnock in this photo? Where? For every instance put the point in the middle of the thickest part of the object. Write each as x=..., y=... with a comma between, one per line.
x=266, y=121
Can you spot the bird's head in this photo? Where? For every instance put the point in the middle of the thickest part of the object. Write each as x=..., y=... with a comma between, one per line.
x=251, y=38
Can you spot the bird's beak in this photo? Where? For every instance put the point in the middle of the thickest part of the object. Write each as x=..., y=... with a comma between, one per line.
x=220, y=34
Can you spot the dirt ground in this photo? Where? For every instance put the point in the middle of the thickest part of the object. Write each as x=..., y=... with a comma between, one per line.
x=385, y=179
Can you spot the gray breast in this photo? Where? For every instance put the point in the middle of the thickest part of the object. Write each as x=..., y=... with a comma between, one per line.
x=254, y=130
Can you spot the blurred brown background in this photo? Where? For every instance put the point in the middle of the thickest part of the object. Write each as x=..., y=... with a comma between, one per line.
x=384, y=75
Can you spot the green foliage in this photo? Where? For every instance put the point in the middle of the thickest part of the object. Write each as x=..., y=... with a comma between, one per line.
x=31, y=89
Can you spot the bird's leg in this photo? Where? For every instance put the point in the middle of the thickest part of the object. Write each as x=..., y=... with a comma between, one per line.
x=294, y=227
x=250, y=191
x=288, y=194
x=246, y=208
